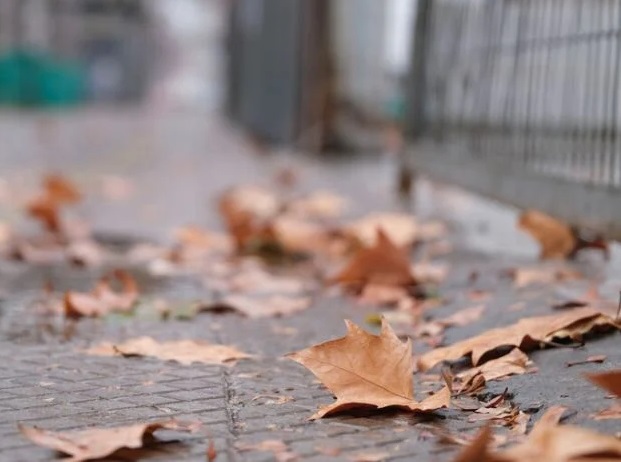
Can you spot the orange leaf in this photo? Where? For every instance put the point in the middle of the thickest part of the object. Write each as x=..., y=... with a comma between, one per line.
x=367, y=371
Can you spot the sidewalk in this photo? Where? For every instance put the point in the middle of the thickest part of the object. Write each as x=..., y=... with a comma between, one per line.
x=178, y=164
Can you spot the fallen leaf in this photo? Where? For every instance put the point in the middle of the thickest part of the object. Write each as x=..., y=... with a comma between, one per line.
x=367, y=371
x=430, y=272
x=544, y=274
x=320, y=204
x=57, y=192
x=591, y=359
x=98, y=443
x=247, y=211
x=328, y=451
x=526, y=334
x=103, y=299
x=294, y=234
x=85, y=253
x=548, y=441
x=609, y=381
x=400, y=228
x=257, y=306
x=460, y=318
x=382, y=264
x=380, y=294
x=194, y=243
x=564, y=443
x=478, y=449
x=557, y=240
x=211, y=452
x=183, y=351
x=514, y=363
x=369, y=457
x=552, y=416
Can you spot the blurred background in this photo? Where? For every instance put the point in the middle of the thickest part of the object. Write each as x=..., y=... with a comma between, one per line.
x=514, y=99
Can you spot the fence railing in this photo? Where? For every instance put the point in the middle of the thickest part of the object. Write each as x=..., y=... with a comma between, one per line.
x=520, y=100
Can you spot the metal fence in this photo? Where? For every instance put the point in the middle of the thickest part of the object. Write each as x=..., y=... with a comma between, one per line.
x=520, y=100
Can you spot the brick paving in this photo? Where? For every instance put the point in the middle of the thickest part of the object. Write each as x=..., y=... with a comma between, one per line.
x=46, y=379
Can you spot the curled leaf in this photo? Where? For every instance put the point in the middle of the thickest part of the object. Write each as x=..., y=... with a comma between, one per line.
x=526, y=334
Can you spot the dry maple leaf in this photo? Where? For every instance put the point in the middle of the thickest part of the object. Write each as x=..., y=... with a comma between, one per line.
x=460, y=318
x=513, y=363
x=367, y=371
x=609, y=381
x=183, y=351
x=247, y=212
x=556, y=238
x=97, y=443
x=57, y=192
x=382, y=264
x=401, y=228
x=260, y=306
x=542, y=274
x=560, y=443
x=526, y=334
x=103, y=299
x=478, y=449
x=320, y=204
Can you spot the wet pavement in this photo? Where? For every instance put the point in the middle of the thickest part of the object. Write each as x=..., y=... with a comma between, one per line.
x=175, y=164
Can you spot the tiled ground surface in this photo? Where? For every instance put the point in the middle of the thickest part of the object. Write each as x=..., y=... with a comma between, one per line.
x=46, y=380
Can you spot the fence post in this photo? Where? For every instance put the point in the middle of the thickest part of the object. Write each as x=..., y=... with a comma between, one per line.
x=416, y=86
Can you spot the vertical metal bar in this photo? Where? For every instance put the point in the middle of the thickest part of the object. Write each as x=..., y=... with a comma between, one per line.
x=418, y=84
x=613, y=163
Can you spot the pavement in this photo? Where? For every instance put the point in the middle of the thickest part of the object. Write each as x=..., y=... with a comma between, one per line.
x=177, y=164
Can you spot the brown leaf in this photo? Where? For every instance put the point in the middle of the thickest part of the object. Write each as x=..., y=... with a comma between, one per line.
x=564, y=444
x=543, y=275
x=246, y=212
x=98, y=443
x=320, y=204
x=526, y=334
x=61, y=189
x=103, y=299
x=478, y=449
x=211, y=452
x=183, y=351
x=514, y=363
x=436, y=327
x=369, y=457
x=400, y=228
x=548, y=441
x=552, y=416
x=367, y=371
x=556, y=238
x=382, y=264
x=256, y=306
x=57, y=192
x=609, y=381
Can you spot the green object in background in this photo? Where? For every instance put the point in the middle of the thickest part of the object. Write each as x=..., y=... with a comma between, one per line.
x=31, y=79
